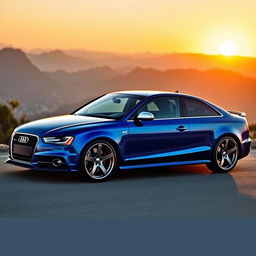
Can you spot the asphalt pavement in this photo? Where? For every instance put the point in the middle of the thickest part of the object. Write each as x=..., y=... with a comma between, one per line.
x=184, y=191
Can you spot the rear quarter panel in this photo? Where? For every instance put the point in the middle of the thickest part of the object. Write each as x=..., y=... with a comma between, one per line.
x=206, y=131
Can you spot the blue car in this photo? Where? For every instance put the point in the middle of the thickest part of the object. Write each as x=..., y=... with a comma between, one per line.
x=133, y=129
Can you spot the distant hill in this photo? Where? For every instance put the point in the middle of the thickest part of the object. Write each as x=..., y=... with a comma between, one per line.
x=77, y=60
x=243, y=65
x=81, y=78
x=20, y=79
x=127, y=62
x=227, y=89
x=89, y=54
x=47, y=93
x=58, y=60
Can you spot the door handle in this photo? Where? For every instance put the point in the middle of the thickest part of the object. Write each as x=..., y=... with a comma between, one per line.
x=181, y=128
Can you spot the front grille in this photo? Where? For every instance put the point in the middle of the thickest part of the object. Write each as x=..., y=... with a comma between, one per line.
x=23, y=146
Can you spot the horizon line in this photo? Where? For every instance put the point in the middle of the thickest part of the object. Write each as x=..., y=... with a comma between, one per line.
x=27, y=50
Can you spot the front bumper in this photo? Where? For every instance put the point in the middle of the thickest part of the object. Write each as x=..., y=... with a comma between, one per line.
x=45, y=154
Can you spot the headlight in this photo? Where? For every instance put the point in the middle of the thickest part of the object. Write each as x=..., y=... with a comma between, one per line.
x=60, y=140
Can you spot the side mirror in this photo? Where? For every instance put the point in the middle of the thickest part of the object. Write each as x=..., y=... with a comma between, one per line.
x=145, y=116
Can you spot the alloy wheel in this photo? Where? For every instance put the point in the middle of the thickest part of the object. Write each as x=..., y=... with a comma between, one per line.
x=99, y=160
x=226, y=153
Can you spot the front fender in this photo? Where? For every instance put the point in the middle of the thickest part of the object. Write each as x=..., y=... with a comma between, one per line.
x=117, y=136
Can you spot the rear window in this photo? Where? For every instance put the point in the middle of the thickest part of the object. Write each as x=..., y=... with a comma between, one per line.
x=194, y=108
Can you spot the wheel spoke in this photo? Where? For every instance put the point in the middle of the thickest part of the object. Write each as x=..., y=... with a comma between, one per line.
x=229, y=151
x=104, y=158
x=90, y=158
x=228, y=160
x=99, y=149
x=94, y=168
x=226, y=144
x=222, y=161
x=102, y=167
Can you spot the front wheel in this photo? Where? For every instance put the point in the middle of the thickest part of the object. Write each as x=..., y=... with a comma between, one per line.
x=225, y=155
x=98, y=161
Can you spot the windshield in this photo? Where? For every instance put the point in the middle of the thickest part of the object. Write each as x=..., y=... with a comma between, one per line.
x=114, y=106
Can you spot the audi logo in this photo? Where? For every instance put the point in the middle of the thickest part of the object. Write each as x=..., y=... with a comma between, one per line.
x=23, y=139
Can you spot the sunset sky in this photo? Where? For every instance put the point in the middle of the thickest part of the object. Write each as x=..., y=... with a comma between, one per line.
x=131, y=26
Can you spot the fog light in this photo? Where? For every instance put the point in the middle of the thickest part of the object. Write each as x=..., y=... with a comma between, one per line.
x=56, y=162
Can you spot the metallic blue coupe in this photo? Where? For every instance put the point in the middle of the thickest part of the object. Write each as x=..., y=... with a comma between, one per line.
x=133, y=129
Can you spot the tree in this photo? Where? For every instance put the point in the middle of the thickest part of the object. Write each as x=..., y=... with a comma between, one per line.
x=252, y=128
x=14, y=103
x=8, y=121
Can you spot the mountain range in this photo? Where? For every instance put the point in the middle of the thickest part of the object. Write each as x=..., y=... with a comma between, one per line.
x=20, y=79
x=71, y=61
x=58, y=92
x=59, y=60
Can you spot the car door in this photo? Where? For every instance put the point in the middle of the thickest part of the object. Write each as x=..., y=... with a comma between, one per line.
x=202, y=121
x=162, y=139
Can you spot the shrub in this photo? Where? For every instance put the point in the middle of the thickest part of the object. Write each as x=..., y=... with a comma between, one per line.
x=252, y=128
x=8, y=121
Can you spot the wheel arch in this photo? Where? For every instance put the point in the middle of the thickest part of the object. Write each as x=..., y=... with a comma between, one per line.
x=232, y=135
x=103, y=138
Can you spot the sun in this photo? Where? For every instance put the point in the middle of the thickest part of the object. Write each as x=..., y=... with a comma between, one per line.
x=228, y=48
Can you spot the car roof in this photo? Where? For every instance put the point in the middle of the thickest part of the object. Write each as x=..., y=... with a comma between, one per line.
x=148, y=93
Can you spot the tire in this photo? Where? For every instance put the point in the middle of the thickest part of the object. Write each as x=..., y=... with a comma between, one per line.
x=98, y=161
x=225, y=155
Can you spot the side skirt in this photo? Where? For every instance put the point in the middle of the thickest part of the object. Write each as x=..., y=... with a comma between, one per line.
x=163, y=164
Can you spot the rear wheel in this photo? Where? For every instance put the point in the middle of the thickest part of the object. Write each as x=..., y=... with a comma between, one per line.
x=225, y=155
x=98, y=161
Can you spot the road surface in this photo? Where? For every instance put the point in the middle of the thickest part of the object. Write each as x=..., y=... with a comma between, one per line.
x=185, y=191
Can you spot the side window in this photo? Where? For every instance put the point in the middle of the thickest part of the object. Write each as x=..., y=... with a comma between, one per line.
x=194, y=108
x=162, y=107
x=152, y=107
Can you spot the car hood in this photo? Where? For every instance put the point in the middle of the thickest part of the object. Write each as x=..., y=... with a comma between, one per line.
x=46, y=125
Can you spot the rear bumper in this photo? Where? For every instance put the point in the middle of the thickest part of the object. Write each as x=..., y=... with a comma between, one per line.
x=245, y=148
